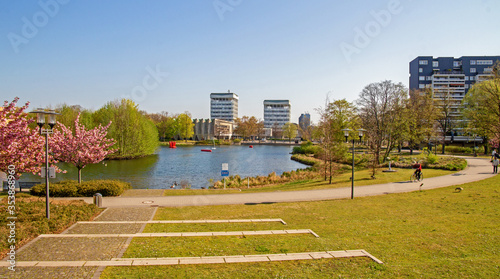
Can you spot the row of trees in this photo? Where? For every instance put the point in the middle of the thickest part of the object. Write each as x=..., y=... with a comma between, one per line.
x=392, y=116
x=22, y=146
x=171, y=126
x=135, y=133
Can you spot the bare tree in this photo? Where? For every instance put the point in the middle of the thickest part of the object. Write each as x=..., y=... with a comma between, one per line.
x=380, y=107
x=444, y=104
x=420, y=117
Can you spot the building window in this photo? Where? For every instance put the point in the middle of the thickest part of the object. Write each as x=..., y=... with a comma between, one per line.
x=423, y=62
x=420, y=70
x=429, y=78
x=421, y=78
x=473, y=62
x=456, y=64
x=472, y=70
x=472, y=78
x=466, y=78
x=488, y=70
x=435, y=64
x=421, y=86
x=484, y=62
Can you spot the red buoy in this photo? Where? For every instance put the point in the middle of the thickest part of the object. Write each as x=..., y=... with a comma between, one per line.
x=251, y=146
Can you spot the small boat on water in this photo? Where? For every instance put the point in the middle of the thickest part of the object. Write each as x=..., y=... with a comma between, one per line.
x=251, y=146
x=206, y=150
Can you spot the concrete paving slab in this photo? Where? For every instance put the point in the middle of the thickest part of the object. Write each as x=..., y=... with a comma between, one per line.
x=155, y=262
x=126, y=235
x=240, y=221
x=109, y=263
x=338, y=254
x=26, y=263
x=202, y=261
x=356, y=253
x=264, y=255
x=246, y=259
x=290, y=257
x=226, y=233
x=60, y=263
x=256, y=232
x=321, y=255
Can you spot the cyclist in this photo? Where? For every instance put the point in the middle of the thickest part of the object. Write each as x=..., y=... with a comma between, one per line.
x=418, y=169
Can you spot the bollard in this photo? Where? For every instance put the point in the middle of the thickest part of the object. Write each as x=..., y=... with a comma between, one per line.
x=98, y=199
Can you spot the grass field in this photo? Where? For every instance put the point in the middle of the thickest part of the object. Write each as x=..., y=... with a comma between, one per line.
x=430, y=234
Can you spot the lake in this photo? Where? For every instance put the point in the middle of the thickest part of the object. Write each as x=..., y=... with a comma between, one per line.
x=161, y=170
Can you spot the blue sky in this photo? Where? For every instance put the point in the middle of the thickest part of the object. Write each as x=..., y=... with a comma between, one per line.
x=170, y=55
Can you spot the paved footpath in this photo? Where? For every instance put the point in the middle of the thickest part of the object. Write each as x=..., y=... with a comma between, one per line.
x=478, y=169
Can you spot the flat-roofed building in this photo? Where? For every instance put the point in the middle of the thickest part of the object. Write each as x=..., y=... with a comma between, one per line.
x=207, y=129
x=276, y=113
x=224, y=106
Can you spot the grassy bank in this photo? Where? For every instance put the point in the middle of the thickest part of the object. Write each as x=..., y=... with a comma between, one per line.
x=361, y=178
x=429, y=234
x=31, y=218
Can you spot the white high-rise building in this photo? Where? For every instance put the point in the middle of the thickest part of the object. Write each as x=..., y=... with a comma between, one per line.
x=276, y=113
x=224, y=106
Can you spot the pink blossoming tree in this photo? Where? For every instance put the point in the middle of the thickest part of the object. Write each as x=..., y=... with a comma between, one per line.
x=20, y=145
x=82, y=147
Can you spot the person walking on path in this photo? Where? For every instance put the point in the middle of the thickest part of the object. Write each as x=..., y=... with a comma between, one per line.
x=495, y=164
x=494, y=154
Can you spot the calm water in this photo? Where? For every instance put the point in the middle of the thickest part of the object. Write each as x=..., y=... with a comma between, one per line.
x=187, y=163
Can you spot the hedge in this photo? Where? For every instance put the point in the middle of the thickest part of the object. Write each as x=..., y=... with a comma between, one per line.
x=71, y=188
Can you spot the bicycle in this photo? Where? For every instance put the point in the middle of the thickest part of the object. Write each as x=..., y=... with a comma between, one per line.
x=414, y=177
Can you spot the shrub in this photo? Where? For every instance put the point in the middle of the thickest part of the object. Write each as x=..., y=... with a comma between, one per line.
x=432, y=159
x=104, y=187
x=307, y=148
x=65, y=188
x=71, y=188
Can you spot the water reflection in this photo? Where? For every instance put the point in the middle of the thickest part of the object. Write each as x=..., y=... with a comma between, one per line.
x=187, y=163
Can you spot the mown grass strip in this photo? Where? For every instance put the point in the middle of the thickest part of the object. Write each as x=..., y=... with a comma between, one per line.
x=429, y=234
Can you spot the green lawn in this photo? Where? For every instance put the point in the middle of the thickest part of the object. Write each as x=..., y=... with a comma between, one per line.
x=429, y=234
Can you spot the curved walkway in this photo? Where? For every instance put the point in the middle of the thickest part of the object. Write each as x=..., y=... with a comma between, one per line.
x=478, y=169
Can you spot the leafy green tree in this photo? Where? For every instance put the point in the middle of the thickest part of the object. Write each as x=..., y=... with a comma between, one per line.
x=135, y=134
x=289, y=131
x=482, y=107
x=185, y=125
x=335, y=116
x=68, y=115
x=165, y=123
x=241, y=127
x=247, y=127
x=260, y=129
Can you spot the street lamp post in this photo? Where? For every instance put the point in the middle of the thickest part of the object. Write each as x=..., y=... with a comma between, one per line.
x=346, y=135
x=51, y=121
x=475, y=153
